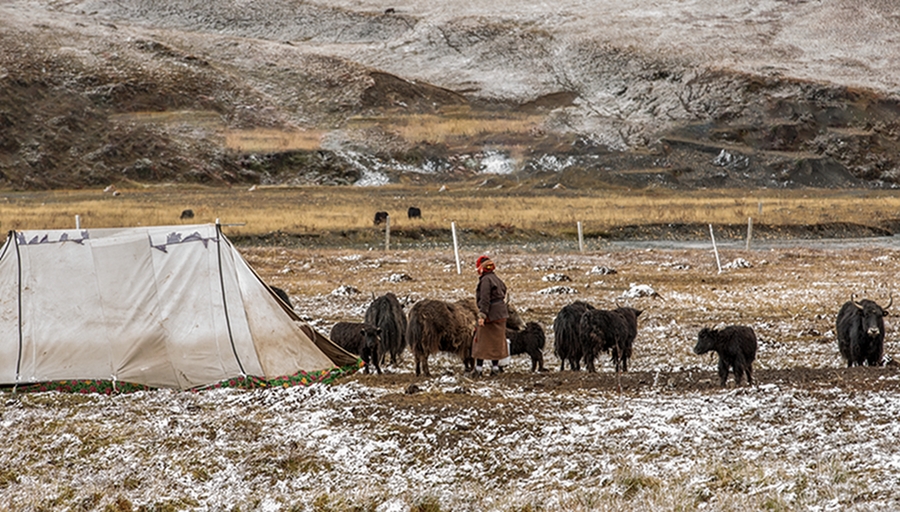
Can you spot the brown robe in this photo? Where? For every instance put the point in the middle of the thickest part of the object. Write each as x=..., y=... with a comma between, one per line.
x=490, y=339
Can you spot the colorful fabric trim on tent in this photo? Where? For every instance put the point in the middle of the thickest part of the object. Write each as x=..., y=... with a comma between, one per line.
x=300, y=378
x=108, y=387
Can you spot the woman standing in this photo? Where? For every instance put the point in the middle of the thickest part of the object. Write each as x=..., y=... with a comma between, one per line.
x=490, y=336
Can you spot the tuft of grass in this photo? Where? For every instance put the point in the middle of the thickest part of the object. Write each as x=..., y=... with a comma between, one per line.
x=633, y=483
x=329, y=503
x=121, y=504
x=426, y=504
x=8, y=477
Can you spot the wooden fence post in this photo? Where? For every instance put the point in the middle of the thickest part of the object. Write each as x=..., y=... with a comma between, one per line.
x=455, y=247
x=715, y=249
x=749, y=231
x=580, y=238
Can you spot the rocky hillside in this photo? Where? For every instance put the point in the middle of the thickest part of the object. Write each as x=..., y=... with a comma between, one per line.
x=771, y=93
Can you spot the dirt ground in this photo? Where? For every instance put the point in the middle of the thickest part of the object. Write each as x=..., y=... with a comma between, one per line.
x=809, y=434
x=790, y=296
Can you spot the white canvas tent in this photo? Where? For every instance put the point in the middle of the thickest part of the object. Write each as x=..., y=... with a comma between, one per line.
x=167, y=306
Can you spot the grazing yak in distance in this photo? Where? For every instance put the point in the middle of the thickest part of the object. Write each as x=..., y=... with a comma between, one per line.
x=736, y=346
x=380, y=218
x=414, y=213
x=359, y=338
x=605, y=331
x=860, y=332
x=387, y=314
x=438, y=326
x=187, y=214
x=567, y=334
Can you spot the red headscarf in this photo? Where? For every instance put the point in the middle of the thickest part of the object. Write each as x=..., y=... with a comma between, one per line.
x=484, y=264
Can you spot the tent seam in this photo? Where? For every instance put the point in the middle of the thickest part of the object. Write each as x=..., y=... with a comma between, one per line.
x=19, y=300
x=224, y=298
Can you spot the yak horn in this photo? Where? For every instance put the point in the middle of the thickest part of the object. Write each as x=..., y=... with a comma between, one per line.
x=891, y=301
x=853, y=300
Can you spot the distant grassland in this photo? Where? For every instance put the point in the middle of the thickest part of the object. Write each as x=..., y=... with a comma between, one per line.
x=451, y=126
x=301, y=210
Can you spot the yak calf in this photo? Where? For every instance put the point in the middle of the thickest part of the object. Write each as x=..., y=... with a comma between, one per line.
x=359, y=338
x=608, y=331
x=529, y=340
x=736, y=346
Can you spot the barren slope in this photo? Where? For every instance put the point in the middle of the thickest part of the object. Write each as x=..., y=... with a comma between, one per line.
x=684, y=94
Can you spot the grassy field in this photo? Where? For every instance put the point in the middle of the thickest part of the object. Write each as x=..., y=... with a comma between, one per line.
x=304, y=210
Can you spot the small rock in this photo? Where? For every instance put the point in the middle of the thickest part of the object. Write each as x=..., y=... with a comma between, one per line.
x=398, y=278
x=640, y=290
x=739, y=263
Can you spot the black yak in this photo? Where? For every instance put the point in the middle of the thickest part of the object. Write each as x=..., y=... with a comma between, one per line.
x=860, y=332
x=414, y=213
x=437, y=326
x=387, y=314
x=608, y=331
x=736, y=346
x=380, y=218
x=187, y=214
x=528, y=340
x=359, y=338
x=566, y=334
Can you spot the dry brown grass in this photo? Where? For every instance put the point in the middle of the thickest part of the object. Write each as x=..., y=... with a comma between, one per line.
x=263, y=140
x=451, y=125
x=315, y=209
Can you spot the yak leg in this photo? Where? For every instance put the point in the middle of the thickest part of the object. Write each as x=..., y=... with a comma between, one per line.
x=739, y=367
x=422, y=365
x=425, y=366
x=723, y=372
x=589, y=363
x=749, y=370
x=375, y=357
